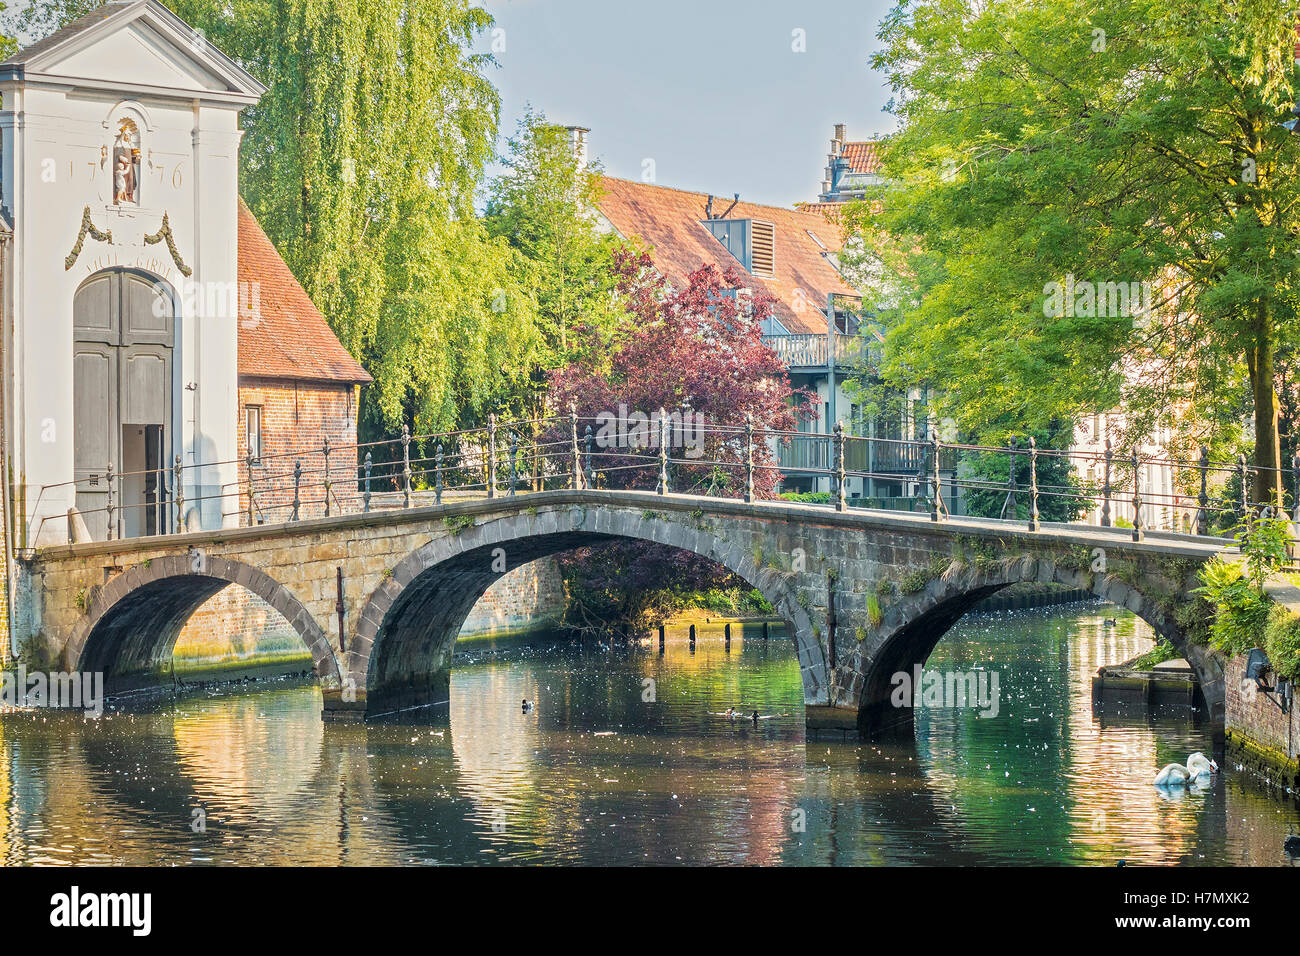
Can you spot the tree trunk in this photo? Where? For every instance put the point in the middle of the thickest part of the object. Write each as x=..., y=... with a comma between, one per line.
x=1268, y=445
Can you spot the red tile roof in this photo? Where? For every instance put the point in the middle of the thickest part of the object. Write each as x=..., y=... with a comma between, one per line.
x=862, y=157
x=286, y=337
x=670, y=222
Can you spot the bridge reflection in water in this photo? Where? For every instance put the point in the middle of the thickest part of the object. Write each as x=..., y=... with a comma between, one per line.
x=599, y=774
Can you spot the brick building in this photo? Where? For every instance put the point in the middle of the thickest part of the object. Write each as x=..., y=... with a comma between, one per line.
x=298, y=387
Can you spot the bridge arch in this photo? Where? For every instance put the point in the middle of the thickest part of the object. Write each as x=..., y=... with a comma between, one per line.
x=912, y=627
x=406, y=633
x=132, y=623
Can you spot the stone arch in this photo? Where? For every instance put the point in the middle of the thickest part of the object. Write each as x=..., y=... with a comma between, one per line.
x=912, y=626
x=401, y=651
x=132, y=623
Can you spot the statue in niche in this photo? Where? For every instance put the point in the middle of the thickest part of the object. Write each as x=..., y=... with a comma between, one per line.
x=126, y=164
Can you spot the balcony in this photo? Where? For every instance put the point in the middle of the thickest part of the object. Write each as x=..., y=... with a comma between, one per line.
x=807, y=352
x=863, y=455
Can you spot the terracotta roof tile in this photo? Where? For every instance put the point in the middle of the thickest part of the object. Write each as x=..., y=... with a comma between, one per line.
x=862, y=157
x=288, y=337
x=670, y=222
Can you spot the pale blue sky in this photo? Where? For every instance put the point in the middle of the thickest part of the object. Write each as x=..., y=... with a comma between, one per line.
x=710, y=90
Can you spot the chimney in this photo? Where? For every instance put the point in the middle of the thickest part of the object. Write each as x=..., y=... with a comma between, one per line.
x=841, y=132
x=578, y=143
x=836, y=146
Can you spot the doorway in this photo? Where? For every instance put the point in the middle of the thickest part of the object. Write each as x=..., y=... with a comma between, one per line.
x=123, y=394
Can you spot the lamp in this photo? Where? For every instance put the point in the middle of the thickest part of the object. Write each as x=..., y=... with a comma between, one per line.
x=1257, y=665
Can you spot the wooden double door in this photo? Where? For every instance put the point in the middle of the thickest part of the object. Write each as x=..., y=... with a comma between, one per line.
x=124, y=334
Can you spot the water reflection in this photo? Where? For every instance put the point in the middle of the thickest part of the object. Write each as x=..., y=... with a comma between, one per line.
x=625, y=760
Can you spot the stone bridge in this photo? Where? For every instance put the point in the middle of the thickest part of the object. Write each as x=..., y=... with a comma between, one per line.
x=864, y=594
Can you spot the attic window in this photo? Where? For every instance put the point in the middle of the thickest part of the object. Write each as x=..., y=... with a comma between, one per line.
x=763, y=255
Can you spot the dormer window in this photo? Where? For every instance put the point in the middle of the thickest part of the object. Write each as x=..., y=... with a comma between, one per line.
x=751, y=241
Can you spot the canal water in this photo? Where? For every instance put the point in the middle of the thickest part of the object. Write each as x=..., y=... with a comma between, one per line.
x=624, y=760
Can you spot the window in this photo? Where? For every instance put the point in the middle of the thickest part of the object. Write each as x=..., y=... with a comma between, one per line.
x=253, y=419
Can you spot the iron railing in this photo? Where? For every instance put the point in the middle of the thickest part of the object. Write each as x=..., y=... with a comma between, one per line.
x=684, y=454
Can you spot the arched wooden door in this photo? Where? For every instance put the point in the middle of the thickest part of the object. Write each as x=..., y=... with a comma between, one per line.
x=124, y=332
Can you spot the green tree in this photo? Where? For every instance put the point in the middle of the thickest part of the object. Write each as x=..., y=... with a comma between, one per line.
x=1104, y=142
x=1061, y=496
x=543, y=205
x=361, y=162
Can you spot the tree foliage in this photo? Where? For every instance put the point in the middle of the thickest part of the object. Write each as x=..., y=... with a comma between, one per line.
x=542, y=205
x=1106, y=141
x=695, y=350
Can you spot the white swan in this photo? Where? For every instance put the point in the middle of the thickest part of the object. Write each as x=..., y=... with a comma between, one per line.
x=1198, y=770
x=1198, y=765
x=1173, y=775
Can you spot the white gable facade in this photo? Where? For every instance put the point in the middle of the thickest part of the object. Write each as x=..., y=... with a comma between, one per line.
x=120, y=141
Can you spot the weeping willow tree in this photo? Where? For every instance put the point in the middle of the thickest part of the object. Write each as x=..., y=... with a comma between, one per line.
x=1054, y=156
x=361, y=162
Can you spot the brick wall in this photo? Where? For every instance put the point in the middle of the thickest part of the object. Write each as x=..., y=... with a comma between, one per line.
x=297, y=417
x=528, y=598
x=1256, y=715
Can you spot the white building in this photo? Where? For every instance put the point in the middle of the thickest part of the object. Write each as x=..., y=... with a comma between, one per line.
x=120, y=172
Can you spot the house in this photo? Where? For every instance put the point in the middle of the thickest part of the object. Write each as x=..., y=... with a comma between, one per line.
x=816, y=327
x=148, y=322
x=852, y=167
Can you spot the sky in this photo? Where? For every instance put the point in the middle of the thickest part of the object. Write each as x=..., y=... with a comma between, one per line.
x=707, y=95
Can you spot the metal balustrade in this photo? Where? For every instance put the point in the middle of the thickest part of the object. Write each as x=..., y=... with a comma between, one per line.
x=737, y=460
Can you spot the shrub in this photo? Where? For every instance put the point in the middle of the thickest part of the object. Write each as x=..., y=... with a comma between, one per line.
x=1282, y=642
x=1240, y=609
x=1163, y=651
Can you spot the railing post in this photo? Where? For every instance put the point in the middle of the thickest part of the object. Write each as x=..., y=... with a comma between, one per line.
x=1137, y=497
x=1009, y=505
x=437, y=475
x=936, y=504
x=179, y=496
x=840, y=502
x=663, y=453
x=369, y=464
x=326, y=451
x=406, y=466
x=1105, y=485
x=1203, y=499
x=514, y=470
x=749, y=457
x=492, y=456
x=1244, y=471
x=108, y=480
x=297, y=485
x=1295, y=493
x=575, y=478
x=1033, y=483
x=589, y=472
x=1294, y=547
